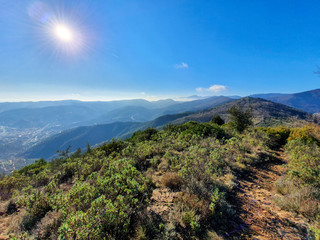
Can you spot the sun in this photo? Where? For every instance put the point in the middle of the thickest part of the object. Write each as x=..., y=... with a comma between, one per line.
x=66, y=37
x=61, y=31
x=64, y=33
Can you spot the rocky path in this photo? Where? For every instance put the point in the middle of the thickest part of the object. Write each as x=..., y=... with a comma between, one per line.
x=261, y=218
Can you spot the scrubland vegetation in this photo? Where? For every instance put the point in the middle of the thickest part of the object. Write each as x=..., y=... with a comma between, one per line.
x=109, y=192
x=299, y=188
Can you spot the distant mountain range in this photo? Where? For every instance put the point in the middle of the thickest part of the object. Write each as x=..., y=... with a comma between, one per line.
x=30, y=130
x=263, y=111
x=98, y=105
x=308, y=101
x=22, y=128
x=77, y=113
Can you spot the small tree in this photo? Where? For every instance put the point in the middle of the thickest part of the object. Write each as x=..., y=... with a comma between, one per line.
x=217, y=120
x=240, y=119
x=89, y=150
x=76, y=153
x=64, y=153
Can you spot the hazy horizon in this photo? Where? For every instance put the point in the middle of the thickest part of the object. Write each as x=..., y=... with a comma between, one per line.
x=104, y=99
x=149, y=98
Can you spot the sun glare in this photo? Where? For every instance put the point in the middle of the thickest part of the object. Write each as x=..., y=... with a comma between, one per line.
x=60, y=31
x=63, y=33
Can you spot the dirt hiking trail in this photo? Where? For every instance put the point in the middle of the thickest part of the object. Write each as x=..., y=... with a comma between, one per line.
x=261, y=218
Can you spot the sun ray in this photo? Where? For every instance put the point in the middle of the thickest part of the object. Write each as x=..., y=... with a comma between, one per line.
x=61, y=31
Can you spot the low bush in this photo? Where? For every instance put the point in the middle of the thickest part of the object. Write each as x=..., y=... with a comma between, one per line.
x=11, y=207
x=145, y=135
x=172, y=180
x=299, y=188
x=307, y=134
x=277, y=136
x=37, y=205
x=35, y=168
x=113, y=148
x=217, y=120
x=304, y=161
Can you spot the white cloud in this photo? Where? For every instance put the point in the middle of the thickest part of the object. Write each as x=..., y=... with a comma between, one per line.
x=212, y=89
x=181, y=65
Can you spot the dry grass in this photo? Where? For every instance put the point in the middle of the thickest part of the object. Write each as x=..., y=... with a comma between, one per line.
x=172, y=180
x=229, y=180
x=4, y=206
x=15, y=220
x=48, y=226
x=301, y=199
x=213, y=236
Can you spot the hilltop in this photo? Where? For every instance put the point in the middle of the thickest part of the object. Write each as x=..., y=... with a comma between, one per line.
x=263, y=111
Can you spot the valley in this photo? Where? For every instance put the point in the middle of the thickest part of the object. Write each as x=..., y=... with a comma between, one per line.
x=32, y=133
x=22, y=129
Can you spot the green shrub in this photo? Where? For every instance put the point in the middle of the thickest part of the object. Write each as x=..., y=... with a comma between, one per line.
x=140, y=136
x=37, y=206
x=9, y=183
x=11, y=207
x=35, y=168
x=307, y=134
x=278, y=136
x=104, y=220
x=304, y=161
x=316, y=231
x=217, y=120
x=191, y=220
x=113, y=148
x=300, y=187
x=80, y=196
x=203, y=130
x=193, y=128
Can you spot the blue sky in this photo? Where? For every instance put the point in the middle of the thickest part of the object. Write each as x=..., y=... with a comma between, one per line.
x=157, y=49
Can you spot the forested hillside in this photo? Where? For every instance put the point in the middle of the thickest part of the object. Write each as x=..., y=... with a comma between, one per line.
x=181, y=182
x=265, y=113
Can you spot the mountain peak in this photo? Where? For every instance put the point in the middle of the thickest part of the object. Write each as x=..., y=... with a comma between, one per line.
x=308, y=101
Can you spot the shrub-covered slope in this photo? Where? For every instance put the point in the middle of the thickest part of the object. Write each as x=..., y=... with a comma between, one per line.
x=176, y=183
